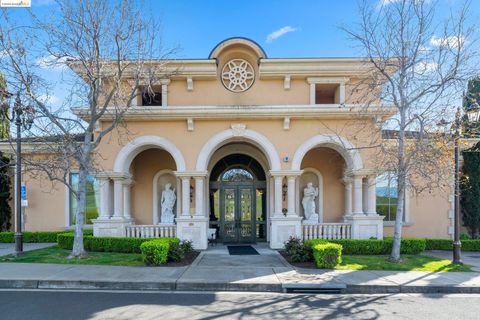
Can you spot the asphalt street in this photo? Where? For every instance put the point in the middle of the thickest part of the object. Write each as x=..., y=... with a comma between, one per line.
x=146, y=305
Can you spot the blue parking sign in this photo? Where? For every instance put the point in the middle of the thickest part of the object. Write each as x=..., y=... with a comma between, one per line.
x=23, y=192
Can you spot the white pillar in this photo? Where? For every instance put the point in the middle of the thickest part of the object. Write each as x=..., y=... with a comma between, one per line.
x=105, y=210
x=185, y=196
x=199, y=205
x=371, y=195
x=127, y=184
x=165, y=83
x=117, y=198
x=278, y=195
x=348, y=196
x=312, y=93
x=357, y=195
x=342, y=93
x=291, y=195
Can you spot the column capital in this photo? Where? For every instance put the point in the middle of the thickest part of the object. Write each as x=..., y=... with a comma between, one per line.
x=113, y=175
x=285, y=173
x=164, y=82
x=347, y=180
x=359, y=173
x=190, y=174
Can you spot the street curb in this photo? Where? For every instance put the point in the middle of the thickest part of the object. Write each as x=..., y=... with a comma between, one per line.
x=196, y=286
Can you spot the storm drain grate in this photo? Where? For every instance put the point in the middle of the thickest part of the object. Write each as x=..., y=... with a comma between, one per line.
x=325, y=288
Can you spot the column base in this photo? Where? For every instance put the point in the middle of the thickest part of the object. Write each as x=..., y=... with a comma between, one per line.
x=366, y=227
x=194, y=229
x=282, y=228
x=111, y=227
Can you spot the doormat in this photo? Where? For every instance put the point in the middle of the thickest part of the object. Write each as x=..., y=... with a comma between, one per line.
x=241, y=250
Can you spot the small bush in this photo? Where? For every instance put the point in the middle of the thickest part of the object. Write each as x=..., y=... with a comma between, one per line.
x=297, y=250
x=187, y=246
x=156, y=252
x=327, y=255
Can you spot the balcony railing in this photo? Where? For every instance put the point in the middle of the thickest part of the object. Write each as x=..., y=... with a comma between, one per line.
x=327, y=231
x=151, y=231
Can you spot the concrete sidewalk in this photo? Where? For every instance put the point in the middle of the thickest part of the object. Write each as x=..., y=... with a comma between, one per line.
x=215, y=270
x=9, y=248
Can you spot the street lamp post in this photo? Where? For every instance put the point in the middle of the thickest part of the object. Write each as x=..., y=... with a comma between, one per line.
x=457, y=245
x=22, y=116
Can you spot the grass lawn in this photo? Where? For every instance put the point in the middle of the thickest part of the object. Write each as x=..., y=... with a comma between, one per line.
x=57, y=255
x=408, y=263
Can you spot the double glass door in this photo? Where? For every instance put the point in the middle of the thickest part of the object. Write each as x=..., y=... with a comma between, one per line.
x=237, y=205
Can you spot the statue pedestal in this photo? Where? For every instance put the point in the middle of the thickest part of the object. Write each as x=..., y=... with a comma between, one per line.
x=193, y=228
x=314, y=219
x=283, y=228
x=108, y=227
x=366, y=226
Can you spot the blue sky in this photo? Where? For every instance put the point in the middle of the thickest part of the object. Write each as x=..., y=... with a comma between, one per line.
x=284, y=28
x=196, y=26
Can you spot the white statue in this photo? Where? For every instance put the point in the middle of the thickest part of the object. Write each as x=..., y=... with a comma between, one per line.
x=167, y=203
x=308, y=202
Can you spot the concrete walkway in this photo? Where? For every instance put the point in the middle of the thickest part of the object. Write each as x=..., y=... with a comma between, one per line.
x=9, y=248
x=215, y=270
x=468, y=257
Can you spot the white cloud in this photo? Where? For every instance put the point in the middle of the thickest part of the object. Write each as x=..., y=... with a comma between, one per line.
x=280, y=32
x=452, y=42
x=51, y=62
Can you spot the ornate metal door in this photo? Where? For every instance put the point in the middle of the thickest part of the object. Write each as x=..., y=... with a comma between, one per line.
x=237, y=208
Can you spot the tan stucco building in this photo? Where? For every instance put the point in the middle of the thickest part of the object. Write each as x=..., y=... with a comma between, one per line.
x=239, y=136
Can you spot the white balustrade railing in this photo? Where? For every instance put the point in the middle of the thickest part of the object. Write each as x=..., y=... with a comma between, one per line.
x=151, y=231
x=327, y=231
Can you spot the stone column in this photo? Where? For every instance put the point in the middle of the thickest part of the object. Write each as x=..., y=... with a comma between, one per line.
x=278, y=195
x=291, y=195
x=199, y=196
x=312, y=93
x=341, y=95
x=165, y=83
x=117, y=198
x=371, y=195
x=127, y=184
x=105, y=210
x=357, y=195
x=185, y=196
x=348, y=196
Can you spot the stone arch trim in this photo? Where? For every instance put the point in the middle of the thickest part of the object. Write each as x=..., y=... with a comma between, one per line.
x=229, y=135
x=341, y=145
x=133, y=148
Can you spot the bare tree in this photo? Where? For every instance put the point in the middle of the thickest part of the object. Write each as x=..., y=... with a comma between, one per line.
x=431, y=59
x=111, y=46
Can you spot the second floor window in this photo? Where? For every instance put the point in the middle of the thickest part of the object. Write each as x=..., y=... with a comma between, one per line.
x=152, y=96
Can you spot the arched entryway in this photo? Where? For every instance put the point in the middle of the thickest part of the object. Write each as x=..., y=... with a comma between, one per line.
x=238, y=199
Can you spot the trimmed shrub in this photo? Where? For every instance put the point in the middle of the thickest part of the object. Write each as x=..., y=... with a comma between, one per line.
x=298, y=251
x=439, y=244
x=103, y=244
x=36, y=236
x=373, y=247
x=471, y=245
x=327, y=255
x=156, y=252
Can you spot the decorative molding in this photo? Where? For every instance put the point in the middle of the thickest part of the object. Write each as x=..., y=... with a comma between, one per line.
x=286, y=83
x=349, y=152
x=190, y=126
x=327, y=111
x=126, y=155
x=238, y=75
x=223, y=137
x=238, y=129
x=286, y=123
x=189, y=84
x=320, y=80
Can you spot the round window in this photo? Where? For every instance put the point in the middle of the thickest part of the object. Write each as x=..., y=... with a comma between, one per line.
x=238, y=75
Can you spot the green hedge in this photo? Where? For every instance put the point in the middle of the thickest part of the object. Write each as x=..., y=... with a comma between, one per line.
x=375, y=247
x=103, y=244
x=157, y=252
x=36, y=236
x=327, y=255
x=447, y=244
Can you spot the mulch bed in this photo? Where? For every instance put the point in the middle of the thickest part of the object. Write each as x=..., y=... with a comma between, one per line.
x=189, y=258
x=306, y=265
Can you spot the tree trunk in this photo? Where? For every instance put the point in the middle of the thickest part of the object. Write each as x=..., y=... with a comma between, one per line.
x=401, y=186
x=78, y=249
